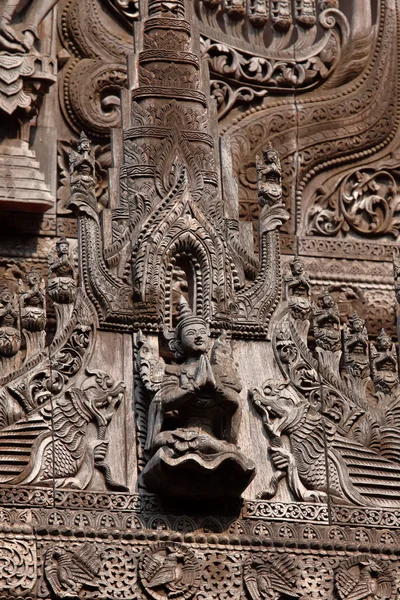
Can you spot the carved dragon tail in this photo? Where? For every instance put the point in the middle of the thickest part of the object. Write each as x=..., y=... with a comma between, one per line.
x=104, y=469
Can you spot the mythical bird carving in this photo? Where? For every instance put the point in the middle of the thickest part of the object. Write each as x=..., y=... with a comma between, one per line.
x=269, y=580
x=169, y=571
x=68, y=572
x=364, y=578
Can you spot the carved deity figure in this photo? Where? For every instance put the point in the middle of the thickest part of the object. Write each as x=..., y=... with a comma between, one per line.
x=10, y=338
x=384, y=363
x=305, y=12
x=281, y=14
x=82, y=164
x=355, y=344
x=21, y=40
x=194, y=417
x=269, y=174
x=327, y=323
x=33, y=303
x=258, y=13
x=62, y=286
x=396, y=274
x=235, y=9
x=298, y=290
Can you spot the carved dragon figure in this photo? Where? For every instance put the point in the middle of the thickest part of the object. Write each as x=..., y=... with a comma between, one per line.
x=318, y=460
x=78, y=449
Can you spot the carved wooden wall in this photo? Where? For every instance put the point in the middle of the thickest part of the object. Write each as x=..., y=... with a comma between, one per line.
x=199, y=287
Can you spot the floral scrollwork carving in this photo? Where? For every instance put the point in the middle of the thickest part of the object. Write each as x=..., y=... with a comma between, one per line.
x=364, y=203
x=18, y=567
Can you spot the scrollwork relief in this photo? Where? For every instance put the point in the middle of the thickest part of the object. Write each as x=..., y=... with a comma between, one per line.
x=364, y=203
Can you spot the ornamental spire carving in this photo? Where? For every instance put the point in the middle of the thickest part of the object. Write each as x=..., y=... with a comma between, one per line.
x=169, y=214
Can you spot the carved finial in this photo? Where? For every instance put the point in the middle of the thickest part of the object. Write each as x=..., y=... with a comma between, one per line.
x=269, y=175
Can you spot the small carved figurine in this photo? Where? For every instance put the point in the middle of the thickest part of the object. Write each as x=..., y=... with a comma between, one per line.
x=258, y=13
x=68, y=572
x=82, y=165
x=33, y=303
x=281, y=14
x=269, y=173
x=10, y=338
x=384, y=364
x=298, y=290
x=396, y=274
x=235, y=9
x=355, y=344
x=194, y=417
x=327, y=323
x=62, y=286
x=305, y=12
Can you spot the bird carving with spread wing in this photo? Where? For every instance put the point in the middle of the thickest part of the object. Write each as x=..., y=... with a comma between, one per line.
x=68, y=572
x=168, y=571
x=366, y=580
x=270, y=580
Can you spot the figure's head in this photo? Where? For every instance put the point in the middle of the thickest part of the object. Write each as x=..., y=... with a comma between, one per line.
x=191, y=334
x=6, y=295
x=383, y=341
x=83, y=143
x=326, y=299
x=356, y=323
x=62, y=246
x=297, y=266
x=33, y=277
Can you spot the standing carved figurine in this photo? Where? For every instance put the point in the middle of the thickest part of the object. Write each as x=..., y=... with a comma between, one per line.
x=356, y=355
x=10, y=338
x=298, y=295
x=82, y=165
x=269, y=176
x=62, y=286
x=327, y=330
x=33, y=313
x=384, y=364
x=194, y=417
x=61, y=282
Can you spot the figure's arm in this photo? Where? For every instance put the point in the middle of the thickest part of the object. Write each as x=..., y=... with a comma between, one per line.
x=173, y=395
x=227, y=397
x=37, y=12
